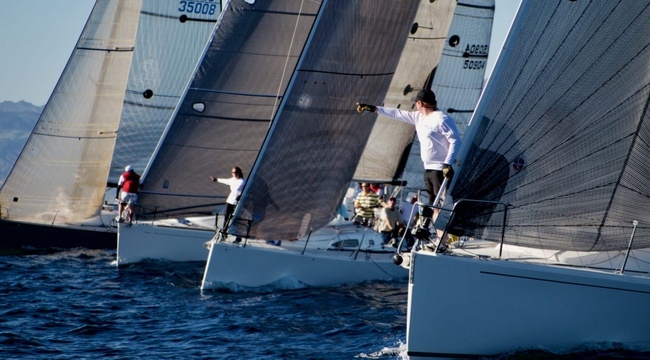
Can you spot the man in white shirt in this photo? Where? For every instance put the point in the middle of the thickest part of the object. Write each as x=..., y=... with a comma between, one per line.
x=437, y=133
x=438, y=136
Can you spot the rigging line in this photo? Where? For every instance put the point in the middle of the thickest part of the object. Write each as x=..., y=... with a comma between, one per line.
x=112, y=133
x=149, y=106
x=229, y=118
x=139, y=92
x=286, y=62
x=236, y=93
x=426, y=38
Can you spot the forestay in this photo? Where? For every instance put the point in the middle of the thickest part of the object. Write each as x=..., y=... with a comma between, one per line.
x=60, y=175
x=317, y=138
x=224, y=116
x=562, y=134
x=170, y=41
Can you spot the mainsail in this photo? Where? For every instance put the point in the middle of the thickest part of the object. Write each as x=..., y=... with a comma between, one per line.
x=317, y=137
x=60, y=175
x=561, y=134
x=170, y=41
x=224, y=115
x=458, y=79
x=390, y=140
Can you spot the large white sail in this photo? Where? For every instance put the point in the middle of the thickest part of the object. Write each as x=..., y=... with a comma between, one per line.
x=60, y=176
x=170, y=41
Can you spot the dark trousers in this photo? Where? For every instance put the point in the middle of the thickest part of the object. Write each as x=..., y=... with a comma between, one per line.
x=432, y=182
x=386, y=236
x=230, y=209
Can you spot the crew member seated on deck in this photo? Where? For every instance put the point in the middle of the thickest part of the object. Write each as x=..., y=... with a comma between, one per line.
x=389, y=223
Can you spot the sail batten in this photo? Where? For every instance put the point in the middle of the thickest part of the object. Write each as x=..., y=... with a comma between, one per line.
x=563, y=131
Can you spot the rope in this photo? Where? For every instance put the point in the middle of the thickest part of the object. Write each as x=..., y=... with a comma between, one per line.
x=286, y=62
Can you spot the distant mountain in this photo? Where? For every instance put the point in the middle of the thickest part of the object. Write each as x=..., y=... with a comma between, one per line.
x=17, y=119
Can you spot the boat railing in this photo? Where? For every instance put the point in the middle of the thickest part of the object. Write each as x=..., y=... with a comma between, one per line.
x=235, y=223
x=306, y=242
x=629, y=246
x=462, y=202
x=421, y=231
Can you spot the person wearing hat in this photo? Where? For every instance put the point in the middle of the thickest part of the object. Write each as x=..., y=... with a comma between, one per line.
x=437, y=133
x=129, y=184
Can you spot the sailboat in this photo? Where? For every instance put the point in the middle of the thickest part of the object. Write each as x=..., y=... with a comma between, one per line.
x=314, y=145
x=554, y=167
x=220, y=123
x=168, y=43
x=54, y=193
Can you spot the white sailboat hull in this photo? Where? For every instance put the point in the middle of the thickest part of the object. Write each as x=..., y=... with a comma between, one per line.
x=259, y=264
x=143, y=241
x=461, y=306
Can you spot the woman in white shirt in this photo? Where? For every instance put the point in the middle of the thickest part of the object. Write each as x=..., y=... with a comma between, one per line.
x=236, y=183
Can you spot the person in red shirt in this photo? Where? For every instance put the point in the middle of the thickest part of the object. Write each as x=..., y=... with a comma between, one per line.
x=129, y=184
x=377, y=190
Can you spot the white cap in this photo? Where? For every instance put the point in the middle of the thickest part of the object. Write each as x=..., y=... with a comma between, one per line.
x=128, y=168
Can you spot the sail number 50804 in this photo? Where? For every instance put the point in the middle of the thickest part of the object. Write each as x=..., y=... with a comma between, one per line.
x=474, y=64
x=197, y=7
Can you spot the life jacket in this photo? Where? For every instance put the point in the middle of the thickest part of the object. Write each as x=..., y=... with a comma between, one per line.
x=131, y=182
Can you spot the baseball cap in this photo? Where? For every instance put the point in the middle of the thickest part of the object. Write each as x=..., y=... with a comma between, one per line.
x=427, y=96
x=128, y=168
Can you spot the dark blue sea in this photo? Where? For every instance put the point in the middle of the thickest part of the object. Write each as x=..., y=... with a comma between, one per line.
x=77, y=305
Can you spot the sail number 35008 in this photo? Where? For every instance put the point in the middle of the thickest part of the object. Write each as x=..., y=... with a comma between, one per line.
x=198, y=7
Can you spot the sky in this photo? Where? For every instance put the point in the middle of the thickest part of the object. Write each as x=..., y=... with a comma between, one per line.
x=38, y=36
